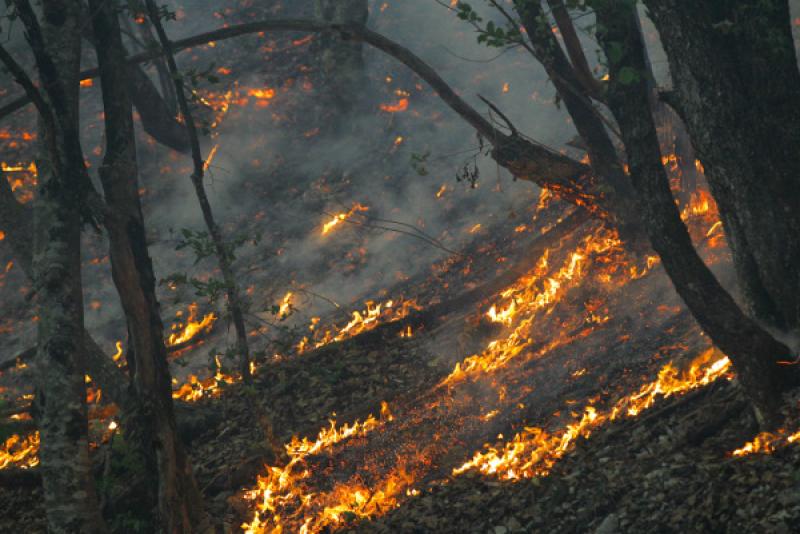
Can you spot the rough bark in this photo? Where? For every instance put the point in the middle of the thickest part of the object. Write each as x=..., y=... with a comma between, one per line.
x=180, y=504
x=754, y=352
x=16, y=220
x=737, y=87
x=60, y=366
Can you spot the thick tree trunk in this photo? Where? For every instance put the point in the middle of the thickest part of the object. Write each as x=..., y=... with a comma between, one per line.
x=341, y=61
x=754, y=352
x=180, y=504
x=16, y=220
x=60, y=365
x=737, y=87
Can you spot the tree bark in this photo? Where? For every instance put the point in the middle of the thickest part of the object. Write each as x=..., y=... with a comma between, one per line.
x=179, y=501
x=754, y=352
x=16, y=220
x=60, y=366
x=737, y=87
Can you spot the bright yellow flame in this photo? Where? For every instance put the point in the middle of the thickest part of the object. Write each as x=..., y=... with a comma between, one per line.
x=534, y=451
x=20, y=452
x=281, y=488
x=339, y=217
x=192, y=328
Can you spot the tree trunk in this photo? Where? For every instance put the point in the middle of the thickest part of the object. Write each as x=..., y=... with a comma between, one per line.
x=602, y=153
x=16, y=220
x=223, y=252
x=180, y=504
x=341, y=60
x=737, y=87
x=60, y=365
x=754, y=352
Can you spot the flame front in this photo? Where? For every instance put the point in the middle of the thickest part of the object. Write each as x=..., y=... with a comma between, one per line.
x=340, y=217
x=281, y=488
x=534, y=451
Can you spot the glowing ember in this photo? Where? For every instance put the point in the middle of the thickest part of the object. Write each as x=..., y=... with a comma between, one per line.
x=183, y=333
x=400, y=105
x=339, y=217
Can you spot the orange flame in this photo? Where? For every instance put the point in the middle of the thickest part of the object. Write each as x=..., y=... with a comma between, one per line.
x=339, y=217
x=534, y=451
x=20, y=452
x=281, y=487
x=184, y=333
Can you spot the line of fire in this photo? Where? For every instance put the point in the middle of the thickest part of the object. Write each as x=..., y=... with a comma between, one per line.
x=378, y=266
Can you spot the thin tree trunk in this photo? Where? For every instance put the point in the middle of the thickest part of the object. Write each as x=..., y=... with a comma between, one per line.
x=60, y=366
x=574, y=48
x=754, y=352
x=179, y=501
x=602, y=154
x=737, y=88
x=223, y=252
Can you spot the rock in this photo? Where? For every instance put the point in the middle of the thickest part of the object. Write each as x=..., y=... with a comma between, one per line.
x=610, y=525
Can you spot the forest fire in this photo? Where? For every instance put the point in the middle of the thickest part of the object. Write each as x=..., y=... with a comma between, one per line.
x=520, y=320
x=20, y=452
x=767, y=442
x=184, y=332
x=534, y=451
x=281, y=488
x=195, y=388
x=531, y=294
x=340, y=217
x=372, y=316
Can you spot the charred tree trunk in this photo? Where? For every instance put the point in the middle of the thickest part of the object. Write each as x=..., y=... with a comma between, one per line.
x=754, y=352
x=341, y=61
x=737, y=87
x=60, y=365
x=179, y=501
x=223, y=252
